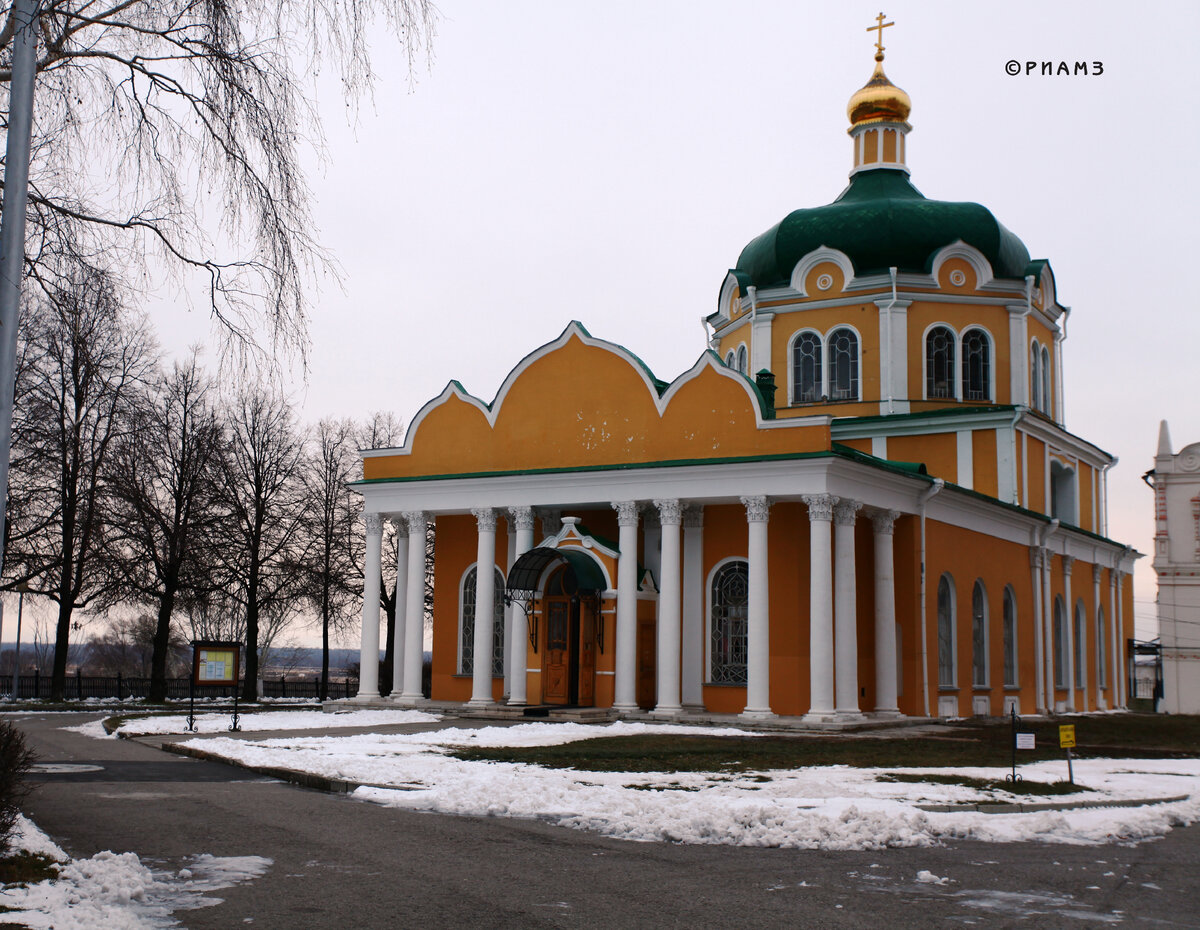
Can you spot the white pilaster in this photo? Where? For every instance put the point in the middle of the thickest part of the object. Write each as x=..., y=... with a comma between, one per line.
x=625, y=685
x=1048, y=626
x=670, y=515
x=845, y=609
x=414, y=611
x=692, y=646
x=521, y=518
x=893, y=358
x=1101, y=672
x=760, y=342
x=1039, y=620
x=820, y=584
x=965, y=468
x=1018, y=354
x=509, y=609
x=1121, y=640
x=368, y=656
x=1114, y=691
x=883, y=522
x=1069, y=658
x=485, y=605
x=398, y=643
x=758, y=624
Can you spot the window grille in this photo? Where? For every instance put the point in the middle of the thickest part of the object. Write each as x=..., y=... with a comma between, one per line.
x=1060, y=645
x=1010, y=639
x=729, y=606
x=1035, y=376
x=1080, y=643
x=979, y=675
x=1101, y=650
x=939, y=363
x=1047, y=404
x=467, y=625
x=945, y=633
x=806, y=368
x=843, y=365
x=976, y=375
x=743, y=360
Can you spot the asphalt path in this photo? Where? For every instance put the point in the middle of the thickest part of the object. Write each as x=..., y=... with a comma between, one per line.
x=341, y=863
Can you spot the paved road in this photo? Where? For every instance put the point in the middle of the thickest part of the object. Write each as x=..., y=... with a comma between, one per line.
x=340, y=863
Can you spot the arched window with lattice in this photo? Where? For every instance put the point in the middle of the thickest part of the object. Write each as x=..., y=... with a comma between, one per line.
x=976, y=365
x=939, y=363
x=466, y=639
x=728, y=607
x=842, y=349
x=806, y=368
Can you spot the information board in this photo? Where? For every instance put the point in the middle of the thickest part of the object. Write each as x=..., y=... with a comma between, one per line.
x=1026, y=741
x=216, y=663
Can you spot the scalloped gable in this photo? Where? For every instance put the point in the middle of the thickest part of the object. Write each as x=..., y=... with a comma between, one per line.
x=581, y=402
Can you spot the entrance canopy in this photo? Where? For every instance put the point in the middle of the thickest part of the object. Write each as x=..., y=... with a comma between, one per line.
x=529, y=568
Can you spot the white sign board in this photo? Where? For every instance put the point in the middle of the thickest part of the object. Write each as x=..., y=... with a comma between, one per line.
x=1025, y=741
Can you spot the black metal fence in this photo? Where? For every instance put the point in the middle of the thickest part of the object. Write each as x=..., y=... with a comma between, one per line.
x=80, y=687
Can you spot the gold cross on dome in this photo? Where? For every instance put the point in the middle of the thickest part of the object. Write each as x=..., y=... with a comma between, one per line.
x=878, y=28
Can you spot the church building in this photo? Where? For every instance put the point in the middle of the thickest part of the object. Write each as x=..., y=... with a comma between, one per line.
x=859, y=501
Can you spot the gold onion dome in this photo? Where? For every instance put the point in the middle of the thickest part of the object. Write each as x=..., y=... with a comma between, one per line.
x=879, y=100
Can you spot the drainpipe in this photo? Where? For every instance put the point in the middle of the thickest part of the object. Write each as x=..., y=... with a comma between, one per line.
x=929, y=492
x=891, y=407
x=1102, y=529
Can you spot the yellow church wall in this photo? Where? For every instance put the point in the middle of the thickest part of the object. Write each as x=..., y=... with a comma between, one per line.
x=788, y=564
x=939, y=452
x=1087, y=491
x=586, y=406
x=969, y=556
x=1035, y=459
x=862, y=318
x=983, y=456
x=858, y=445
x=959, y=317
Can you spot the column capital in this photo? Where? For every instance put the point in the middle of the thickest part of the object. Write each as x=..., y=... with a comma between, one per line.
x=399, y=524
x=845, y=512
x=1068, y=562
x=693, y=516
x=884, y=521
x=417, y=520
x=670, y=511
x=485, y=517
x=627, y=512
x=374, y=523
x=820, y=506
x=1036, y=557
x=522, y=517
x=757, y=508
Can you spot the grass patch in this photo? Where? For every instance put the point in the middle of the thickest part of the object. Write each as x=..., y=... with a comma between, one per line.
x=26, y=869
x=969, y=743
x=1024, y=786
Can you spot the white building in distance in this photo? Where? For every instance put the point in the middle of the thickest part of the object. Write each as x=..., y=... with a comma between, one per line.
x=1176, y=482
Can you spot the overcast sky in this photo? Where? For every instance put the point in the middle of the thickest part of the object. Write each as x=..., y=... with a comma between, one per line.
x=608, y=162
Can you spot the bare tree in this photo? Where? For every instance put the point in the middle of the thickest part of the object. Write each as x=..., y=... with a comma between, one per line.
x=160, y=123
x=266, y=500
x=165, y=484
x=88, y=356
x=327, y=566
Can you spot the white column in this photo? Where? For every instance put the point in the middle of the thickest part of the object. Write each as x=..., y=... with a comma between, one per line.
x=414, y=610
x=485, y=600
x=1100, y=671
x=820, y=613
x=1069, y=658
x=883, y=522
x=509, y=610
x=758, y=623
x=1039, y=620
x=845, y=609
x=401, y=606
x=692, y=649
x=522, y=519
x=1048, y=625
x=625, y=685
x=670, y=515
x=368, y=656
x=1121, y=639
x=1117, y=672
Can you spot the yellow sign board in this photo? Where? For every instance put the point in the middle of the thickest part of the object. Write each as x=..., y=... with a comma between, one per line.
x=1066, y=736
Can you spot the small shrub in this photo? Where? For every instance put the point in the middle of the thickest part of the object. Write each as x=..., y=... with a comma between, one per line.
x=16, y=759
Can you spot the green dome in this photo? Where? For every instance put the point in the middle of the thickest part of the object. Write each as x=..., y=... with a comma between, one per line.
x=881, y=220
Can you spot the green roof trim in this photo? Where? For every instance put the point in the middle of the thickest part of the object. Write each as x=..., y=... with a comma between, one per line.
x=881, y=220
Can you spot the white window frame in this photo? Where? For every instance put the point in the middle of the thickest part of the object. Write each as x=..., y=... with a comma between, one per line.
x=979, y=661
x=743, y=359
x=1035, y=375
x=708, y=616
x=1080, y=630
x=1009, y=630
x=462, y=615
x=990, y=388
x=827, y=374
x=1059, y=639
x=791, y=350
x=951, y=665
x=954, y=379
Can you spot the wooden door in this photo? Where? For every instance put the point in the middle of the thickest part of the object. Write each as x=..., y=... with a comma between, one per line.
x=647, y=685
x=587, y=654
x=556, y=664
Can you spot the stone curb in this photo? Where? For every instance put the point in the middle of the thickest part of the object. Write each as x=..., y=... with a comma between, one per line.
x=1045, y=806
x=291, y=776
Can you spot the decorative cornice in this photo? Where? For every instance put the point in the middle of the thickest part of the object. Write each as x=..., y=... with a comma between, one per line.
x=757, y=508
x=627, y=512
x=670, y=511
x=374, y=522
x=845, y=512
x=820, y=506
x=521, y=517
x=884, y=521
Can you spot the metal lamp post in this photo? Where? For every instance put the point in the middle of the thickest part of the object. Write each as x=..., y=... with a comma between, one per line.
x=21, y=589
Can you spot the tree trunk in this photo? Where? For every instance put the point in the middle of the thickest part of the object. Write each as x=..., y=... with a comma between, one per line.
x=162, y=645
x=62, y=642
